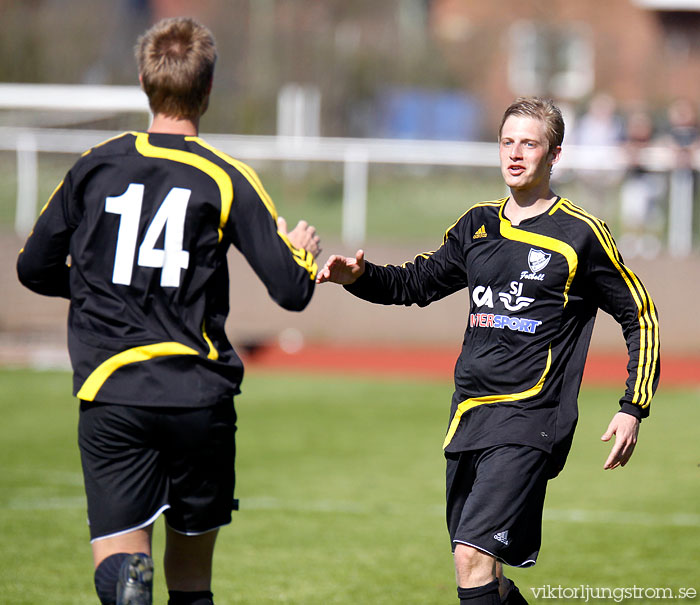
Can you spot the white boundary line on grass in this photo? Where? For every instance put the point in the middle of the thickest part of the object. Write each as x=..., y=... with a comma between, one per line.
x=621, y=517
x=343, y=507
x=48, y=503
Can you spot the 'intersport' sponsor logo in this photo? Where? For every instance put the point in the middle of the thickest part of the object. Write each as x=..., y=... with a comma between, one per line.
x=500, y=322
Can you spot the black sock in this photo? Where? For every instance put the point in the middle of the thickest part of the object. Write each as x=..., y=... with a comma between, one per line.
x=200, y=597
x=513, y=596
x=481, y=595
x=106, y=576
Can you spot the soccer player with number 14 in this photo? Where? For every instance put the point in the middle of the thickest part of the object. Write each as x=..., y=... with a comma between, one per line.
x=147, y=219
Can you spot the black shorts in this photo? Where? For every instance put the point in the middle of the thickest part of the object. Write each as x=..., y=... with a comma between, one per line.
x=139, y=462
x=495, y=498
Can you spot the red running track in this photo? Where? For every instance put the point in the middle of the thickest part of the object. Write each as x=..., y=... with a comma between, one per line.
x=438, y=363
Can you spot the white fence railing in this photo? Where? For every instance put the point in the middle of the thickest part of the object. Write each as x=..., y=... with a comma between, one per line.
x=356, y=155
x=73, y=97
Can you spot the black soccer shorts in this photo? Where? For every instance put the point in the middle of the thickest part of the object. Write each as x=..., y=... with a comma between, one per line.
x=495, y=499
x=139, y=462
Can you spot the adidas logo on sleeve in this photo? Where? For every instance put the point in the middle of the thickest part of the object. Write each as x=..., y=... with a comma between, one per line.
x=480, y=232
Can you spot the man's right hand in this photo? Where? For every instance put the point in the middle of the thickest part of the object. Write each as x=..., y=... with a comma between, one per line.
x=342, y=270
x=303, y=236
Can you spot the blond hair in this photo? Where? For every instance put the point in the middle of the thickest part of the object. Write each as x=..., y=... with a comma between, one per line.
x=540, y=109
x=176, y=59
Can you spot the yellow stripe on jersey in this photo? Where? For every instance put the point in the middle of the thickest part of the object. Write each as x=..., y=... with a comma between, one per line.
x=119, y=136
x=46, y=205
x=479, y=205
x=649, y=341
x=249, y=174
x=544, y=241
x=554, y=208
x=427, y=255
x=99, y=375
x=302, y=257
x=595, y=223
x=213, y=353
x=476, y=401
x=218, y=174
x=53, y=193
x=646, y=313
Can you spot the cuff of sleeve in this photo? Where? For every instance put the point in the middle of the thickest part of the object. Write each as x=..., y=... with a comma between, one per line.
x=357, y=285
x=633, y=410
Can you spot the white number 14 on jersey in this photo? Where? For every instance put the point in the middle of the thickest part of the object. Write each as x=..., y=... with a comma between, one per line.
x=169, y=218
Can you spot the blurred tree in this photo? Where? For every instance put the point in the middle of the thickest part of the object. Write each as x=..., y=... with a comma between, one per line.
x=350, y=51
x=21, y=46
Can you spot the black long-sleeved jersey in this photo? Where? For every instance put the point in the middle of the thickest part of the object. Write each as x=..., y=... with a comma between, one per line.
x=146, y=221
x=535, y=289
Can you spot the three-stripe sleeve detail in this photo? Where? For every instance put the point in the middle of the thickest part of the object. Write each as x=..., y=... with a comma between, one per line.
x=646, y=312
x=301, y=256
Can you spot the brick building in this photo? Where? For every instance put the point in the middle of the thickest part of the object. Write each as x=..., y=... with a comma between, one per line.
x=639, y=51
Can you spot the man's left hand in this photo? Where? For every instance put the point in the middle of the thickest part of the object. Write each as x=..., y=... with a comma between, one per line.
x=625, y=427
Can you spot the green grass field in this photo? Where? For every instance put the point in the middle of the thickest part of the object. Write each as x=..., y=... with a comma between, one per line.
x=341, y=488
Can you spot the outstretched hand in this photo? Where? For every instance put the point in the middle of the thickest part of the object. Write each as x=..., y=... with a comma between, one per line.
x=625, y=427
x=302, y=236
x=341, y=269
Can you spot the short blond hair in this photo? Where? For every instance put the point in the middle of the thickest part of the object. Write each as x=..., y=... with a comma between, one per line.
x=540, y=109
x=176, y=59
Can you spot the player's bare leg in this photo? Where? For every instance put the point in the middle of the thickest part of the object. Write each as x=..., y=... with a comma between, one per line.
x=476, y=576
x=473, y=567
x=503, y=584
x=508, y=591
x=138, y=540
x=188, y=560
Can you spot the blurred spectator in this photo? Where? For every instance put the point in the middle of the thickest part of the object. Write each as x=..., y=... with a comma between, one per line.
x=683, y=137
x=641, y=193
x=683, y=128
x=599, y=126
